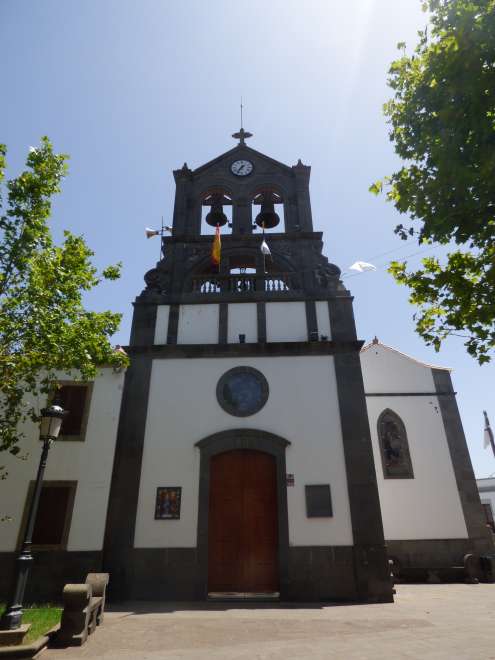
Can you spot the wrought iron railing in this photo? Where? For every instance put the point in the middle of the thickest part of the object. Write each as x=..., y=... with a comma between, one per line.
x=246, y=283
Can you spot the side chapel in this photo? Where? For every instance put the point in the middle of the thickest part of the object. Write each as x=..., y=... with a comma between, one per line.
x=253, y=446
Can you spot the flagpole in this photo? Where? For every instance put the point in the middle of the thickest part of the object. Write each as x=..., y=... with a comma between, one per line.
x=488, y=430
x=219, y=257
x=262, y=239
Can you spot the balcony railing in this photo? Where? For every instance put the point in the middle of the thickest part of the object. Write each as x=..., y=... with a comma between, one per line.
x=273, y=283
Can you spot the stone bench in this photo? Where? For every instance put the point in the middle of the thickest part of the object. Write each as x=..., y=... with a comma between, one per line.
x=84, y=606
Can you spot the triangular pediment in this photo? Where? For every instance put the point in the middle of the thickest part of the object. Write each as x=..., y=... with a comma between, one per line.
x=240, y=151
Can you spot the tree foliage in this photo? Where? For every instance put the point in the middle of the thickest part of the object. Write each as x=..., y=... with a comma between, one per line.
x=44, y=326
x=442, y=118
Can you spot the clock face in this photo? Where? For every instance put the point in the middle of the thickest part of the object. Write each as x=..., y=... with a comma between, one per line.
x=241, y=167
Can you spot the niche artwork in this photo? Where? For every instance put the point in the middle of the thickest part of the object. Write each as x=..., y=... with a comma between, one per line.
x=167, y=505
x=394, y=446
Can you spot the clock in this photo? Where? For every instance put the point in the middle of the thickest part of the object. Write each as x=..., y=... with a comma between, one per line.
x=241, y=167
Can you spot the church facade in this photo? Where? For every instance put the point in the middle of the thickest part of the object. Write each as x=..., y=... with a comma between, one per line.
x=252, y=446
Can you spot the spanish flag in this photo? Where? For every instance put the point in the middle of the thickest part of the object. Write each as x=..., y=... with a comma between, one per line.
x=216, y=248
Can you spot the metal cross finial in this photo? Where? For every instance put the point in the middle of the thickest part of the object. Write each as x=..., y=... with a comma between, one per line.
x=242, y=135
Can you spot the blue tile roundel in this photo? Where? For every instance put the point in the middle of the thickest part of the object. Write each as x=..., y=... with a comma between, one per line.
x=242, y=391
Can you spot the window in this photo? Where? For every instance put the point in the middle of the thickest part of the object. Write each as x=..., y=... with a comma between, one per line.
x=52, y=524
x=76, y=399
x=487, y=508
x=394, y=447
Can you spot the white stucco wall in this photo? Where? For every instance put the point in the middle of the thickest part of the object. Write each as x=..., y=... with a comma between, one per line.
x=323, y=318
x=387, y=370
x=198, y=324
x=161, y=327
x=89, y=463
x=286, y=321
x=242, y=319
x=428, y=506
x=302, y=408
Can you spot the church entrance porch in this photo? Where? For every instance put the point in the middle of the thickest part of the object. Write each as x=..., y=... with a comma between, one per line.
x=243, y=523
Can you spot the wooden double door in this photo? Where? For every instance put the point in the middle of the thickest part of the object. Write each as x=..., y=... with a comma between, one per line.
x=243, y=523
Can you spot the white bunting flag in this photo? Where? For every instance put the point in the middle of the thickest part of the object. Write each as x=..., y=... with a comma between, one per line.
x=362, y=266
x=264, y=248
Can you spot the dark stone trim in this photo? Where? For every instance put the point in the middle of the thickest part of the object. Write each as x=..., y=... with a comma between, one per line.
x=408, y=393
x=126, y=475
x=194, y=298
x=370, y=558
x=228, y=441
x=228, y=405
x=173, y=324
x=311, y=320
x=232, y=238
x=223, y=323
x=143, y=324
x=461, y=463
x=291, y=348
x=261, y=316
x=50, y=572
x=486, y=489
x=321, y=573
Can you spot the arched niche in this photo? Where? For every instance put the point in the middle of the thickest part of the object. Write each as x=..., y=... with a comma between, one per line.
x=394, y=446
x=210, y=199
x=230, y=440
x=272, y=194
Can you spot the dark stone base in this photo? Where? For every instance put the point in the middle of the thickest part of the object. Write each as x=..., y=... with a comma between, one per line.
x=319, y=573
x=161, y=574
x=427, y=559
x=51, y=570
x=315, y=574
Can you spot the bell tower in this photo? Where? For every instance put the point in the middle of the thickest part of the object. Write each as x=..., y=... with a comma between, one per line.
x=256, y=190
x=251, y=363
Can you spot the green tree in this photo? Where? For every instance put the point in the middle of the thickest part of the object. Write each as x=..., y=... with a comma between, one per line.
x=44, y=326
x=442, y=118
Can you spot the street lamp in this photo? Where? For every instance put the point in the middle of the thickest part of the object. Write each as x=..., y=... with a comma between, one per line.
x=51, y=421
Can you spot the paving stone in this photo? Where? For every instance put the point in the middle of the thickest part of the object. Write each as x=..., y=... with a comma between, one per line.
x=431, y=622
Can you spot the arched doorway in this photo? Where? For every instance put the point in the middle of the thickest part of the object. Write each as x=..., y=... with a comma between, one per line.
x=243, y=523
x=272, y=450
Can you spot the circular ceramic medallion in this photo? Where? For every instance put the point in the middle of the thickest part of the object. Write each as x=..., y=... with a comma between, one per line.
x=242, y=391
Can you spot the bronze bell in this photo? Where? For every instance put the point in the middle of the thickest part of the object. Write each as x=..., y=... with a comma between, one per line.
x=216, y=216
x=267, y=217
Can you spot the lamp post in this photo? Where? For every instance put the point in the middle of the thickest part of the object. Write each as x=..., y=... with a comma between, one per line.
x=51, y=421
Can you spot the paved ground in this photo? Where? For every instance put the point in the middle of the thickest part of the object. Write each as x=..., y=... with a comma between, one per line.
x=426, y=622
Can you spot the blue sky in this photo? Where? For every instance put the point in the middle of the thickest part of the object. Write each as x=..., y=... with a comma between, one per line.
x=132, y=89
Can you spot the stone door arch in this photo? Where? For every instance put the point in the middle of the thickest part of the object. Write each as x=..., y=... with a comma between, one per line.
x=230, y=440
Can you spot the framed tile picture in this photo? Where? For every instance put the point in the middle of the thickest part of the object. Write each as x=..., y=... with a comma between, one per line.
x=167, y=506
